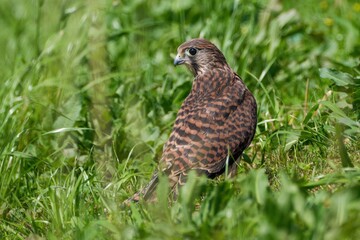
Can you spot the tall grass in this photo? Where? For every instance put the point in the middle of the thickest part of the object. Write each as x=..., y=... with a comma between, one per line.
x=89, y=96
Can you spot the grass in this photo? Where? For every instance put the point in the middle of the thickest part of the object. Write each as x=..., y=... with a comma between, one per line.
x=89, y=95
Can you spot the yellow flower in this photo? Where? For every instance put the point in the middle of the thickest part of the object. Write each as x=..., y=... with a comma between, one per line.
x=324, y=4
x=356, y=7
x=328, y=22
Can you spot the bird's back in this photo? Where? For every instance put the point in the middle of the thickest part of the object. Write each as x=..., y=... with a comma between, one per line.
x=213, y=123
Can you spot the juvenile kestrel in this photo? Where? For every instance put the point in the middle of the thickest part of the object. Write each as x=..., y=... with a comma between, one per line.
x=216, y=121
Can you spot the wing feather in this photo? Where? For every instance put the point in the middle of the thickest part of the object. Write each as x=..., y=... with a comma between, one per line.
x=207, y=130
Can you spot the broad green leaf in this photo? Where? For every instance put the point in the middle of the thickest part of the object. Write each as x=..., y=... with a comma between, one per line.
x=340, y=78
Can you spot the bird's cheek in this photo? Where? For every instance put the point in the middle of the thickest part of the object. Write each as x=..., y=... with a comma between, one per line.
x=191, y=69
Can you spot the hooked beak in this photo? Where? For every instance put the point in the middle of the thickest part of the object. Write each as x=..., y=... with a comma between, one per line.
x=178, y=60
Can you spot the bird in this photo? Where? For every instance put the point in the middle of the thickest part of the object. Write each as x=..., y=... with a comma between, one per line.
x=215, y=124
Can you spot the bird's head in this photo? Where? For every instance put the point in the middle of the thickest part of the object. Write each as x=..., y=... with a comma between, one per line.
x=200, y=56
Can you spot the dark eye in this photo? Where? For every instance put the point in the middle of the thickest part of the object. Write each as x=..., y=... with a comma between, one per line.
x=192, y=51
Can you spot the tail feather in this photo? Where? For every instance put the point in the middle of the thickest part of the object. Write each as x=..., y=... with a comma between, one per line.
x=147, y=193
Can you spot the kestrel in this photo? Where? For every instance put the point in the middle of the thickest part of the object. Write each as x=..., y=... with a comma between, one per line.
x=215, y=123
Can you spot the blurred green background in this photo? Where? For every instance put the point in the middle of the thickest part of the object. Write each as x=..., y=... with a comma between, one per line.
x=89, y=95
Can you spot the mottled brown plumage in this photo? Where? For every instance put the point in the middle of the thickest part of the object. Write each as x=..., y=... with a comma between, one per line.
x=216, y=120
